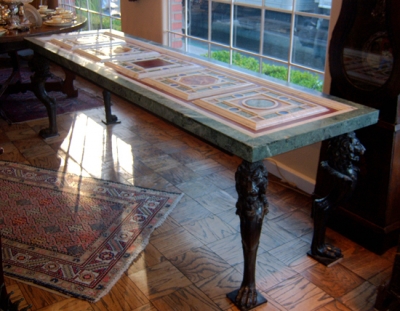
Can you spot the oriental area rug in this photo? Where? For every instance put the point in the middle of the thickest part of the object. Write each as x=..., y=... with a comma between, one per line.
x=73, y=234
x=23, y=107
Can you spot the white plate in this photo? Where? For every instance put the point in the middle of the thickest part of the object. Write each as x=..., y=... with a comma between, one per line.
x=64, y=22
x=32, y=15
x=64, y=17
x=47, y=11
x=2, y=31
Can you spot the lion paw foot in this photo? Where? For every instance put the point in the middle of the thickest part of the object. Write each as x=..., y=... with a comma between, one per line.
x=330, y=251
x=247, y=296
x=46, y=133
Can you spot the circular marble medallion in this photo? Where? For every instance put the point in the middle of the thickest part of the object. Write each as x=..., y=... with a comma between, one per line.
x=260, y=103
x=121, y=49
x=198, y=80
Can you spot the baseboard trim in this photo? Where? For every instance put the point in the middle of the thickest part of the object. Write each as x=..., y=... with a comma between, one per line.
x=292, y=177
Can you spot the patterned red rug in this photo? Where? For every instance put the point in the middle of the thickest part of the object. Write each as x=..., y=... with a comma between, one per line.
x=23, y=107
x=73, y=234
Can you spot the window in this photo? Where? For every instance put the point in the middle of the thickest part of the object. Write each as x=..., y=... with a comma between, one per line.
x=101, y=14
x=284, y=39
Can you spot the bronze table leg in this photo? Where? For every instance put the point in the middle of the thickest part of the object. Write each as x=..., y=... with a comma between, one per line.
x=252, y=205
x=15, y=75
x=41, y=68
x=341, y=171
x=66, y=85
x=110, y=118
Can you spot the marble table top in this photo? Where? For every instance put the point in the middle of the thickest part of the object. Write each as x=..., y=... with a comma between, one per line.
x=230, y=138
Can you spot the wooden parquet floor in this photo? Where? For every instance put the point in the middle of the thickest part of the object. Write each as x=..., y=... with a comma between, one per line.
x=195, y=257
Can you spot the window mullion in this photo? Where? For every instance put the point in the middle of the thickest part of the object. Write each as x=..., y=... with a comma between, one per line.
x=186, y=25
x=262, y=24
x=231, y=32
x=209, y=26
x=291, y=41
x=89, y=15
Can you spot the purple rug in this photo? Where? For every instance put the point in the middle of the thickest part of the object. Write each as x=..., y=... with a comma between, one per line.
x=23, y=107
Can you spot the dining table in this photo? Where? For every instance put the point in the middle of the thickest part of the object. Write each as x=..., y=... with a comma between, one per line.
x=13, y=42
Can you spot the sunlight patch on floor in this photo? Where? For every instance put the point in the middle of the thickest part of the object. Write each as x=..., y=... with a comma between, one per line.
x=91, y=151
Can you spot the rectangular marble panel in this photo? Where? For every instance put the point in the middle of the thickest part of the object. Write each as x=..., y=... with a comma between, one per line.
x=264, y=107
x=199, y=83
x=110, y=52
x=153, y=66
x=82, y=40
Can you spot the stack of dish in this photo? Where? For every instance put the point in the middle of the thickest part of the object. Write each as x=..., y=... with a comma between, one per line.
x=61, y=17
x=67, y=15
x=45, y=13
x=44, y=10
x=58, y=21
x=2, y=31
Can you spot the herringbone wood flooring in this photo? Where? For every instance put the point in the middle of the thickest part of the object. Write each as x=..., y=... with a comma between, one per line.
x=195, y=257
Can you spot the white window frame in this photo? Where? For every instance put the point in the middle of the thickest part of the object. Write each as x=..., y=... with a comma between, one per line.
x=289, y=63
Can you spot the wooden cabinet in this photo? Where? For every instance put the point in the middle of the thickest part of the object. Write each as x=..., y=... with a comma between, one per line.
x=364, y=58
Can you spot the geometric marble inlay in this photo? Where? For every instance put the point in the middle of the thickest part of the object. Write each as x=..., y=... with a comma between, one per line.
x=197, y=84
x=265, y=107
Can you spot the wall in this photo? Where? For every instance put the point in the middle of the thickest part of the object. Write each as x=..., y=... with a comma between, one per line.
x=144, y=18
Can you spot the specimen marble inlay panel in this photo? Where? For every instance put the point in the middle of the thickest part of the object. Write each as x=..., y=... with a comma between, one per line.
x=199, y=83
x=74, y=41
x=155, y=65
x=110, y=52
